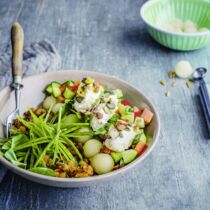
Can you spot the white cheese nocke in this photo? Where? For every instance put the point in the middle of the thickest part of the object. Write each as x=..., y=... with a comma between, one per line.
x=97, y=123
x=89, y=100
x=120, y=141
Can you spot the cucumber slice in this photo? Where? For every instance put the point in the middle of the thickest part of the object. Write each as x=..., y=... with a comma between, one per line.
x=140, y=137
x=49, y=89
x=128, y=117
x=129, y=155
x=121, y=108
x=68, y=94
x=68, y=83
x=117, y=156
x=143, y=138
x=118, y=92
x=56, y=83
x=56, y=89
x=139, y=121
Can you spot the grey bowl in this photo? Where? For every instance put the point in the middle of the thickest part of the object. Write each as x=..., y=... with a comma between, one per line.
x=32, y=95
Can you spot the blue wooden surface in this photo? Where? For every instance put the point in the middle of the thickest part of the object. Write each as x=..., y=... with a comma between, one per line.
x=109, y=36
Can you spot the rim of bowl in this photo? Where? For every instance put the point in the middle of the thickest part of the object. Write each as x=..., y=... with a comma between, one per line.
x=147, y=4
x=9, y=165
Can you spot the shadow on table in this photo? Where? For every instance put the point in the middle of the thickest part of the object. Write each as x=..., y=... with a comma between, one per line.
x=138, y=36
x=30, y=194
x=14, y=180
x=202, y=120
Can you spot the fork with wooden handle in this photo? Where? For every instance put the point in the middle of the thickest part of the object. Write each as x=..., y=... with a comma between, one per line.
x=17, y=39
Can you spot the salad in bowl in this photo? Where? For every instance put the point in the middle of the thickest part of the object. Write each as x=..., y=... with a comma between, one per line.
x=82, y=128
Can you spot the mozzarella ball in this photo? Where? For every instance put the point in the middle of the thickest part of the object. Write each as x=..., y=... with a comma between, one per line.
x=203, y=30
x=190, y=27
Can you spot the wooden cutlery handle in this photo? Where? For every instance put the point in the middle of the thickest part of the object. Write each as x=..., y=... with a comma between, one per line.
x=17, y=39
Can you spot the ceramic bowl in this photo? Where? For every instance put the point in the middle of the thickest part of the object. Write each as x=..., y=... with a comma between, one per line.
x=156, y=13
x=32, y=94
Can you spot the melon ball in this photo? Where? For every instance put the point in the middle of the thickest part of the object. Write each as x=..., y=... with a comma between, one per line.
x=190, y=27
x=183, y=69
x=203, y=30
x=102, y=163
x=177, y=23
x=171, y=28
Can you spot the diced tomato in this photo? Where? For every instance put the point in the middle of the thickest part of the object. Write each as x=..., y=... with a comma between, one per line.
x=62, y=88
x=137, y=114
x=125, y=103
x=75, y=86
x=147, y=115
x=140, y=147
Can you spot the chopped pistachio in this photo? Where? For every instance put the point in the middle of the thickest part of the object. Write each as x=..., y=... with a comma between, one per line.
x=188, y=83
x=171, y=74
x=110, y=105
x=89, y=80
x=99, y=115
x=79, y=99
x=173, y=84
x=168, y=93
x=163, y=82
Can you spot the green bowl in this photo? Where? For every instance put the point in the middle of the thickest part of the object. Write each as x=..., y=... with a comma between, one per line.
x=156, y=13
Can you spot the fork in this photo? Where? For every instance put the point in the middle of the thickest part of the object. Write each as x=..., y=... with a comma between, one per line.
x=17, y=39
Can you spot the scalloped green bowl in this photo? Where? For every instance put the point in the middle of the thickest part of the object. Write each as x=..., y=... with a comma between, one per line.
x=156, y=13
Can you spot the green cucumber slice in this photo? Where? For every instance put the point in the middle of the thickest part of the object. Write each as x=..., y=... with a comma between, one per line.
x=49, y=89
x=68, y=94
x=129, y=155
x=118, y=92
x=117, y=156
x=56, y=89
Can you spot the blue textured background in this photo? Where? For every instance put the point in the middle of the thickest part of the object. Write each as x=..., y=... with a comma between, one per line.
x=110, y=37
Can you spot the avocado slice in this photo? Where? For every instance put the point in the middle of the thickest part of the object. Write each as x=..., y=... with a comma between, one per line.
x=129, y=155
x=117, y=156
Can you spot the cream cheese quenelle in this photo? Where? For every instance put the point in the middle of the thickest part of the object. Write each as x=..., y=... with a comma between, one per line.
x=87, y=95
x=104, y=111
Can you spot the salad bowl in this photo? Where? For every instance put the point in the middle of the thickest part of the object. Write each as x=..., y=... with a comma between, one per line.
x=32, y=94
